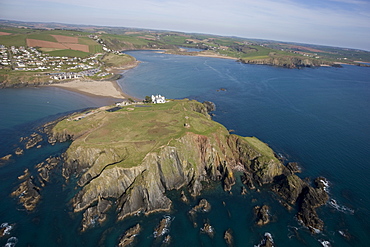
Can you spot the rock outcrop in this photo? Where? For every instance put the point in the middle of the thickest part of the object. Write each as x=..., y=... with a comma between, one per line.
x=262, y=215
x=129, y=236
x=208, y=229
x=163, y=227
x=33, y=140
x=28, y=194
x=294, y=190
x=267, y=241
x=203, y=207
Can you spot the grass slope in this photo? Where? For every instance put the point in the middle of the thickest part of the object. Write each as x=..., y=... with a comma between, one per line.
x=135, y=131
x=132, y=132
x=68, y=53
x=113, y=60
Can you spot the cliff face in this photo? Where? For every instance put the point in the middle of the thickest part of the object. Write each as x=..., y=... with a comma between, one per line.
x=192, y=160
x=134, y=173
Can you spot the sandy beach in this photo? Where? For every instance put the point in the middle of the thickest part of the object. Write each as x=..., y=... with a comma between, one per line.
x=216, y=56
x=96, y=88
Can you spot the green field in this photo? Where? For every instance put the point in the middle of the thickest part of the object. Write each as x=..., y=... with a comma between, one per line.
x=13, y=40
x=139, y=130
x=68, y=53
x=113, y=60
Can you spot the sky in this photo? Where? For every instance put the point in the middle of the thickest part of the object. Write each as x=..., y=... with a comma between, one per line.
x=342, y=23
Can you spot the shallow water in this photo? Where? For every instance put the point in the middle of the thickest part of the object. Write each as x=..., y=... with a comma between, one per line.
x=317, y=117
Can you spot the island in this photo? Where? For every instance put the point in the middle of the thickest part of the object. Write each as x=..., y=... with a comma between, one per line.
x=127, y=157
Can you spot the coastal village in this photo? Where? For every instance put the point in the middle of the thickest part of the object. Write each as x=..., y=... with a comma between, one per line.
x=31, y=59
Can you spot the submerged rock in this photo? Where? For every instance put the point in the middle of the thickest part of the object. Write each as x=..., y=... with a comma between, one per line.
x=129, y=236
x=229, y=237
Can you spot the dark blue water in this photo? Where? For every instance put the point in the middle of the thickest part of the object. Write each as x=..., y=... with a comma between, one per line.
x=317, y=117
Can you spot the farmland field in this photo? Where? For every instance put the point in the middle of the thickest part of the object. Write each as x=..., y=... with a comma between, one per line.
x=68, y=53
x=65, y=39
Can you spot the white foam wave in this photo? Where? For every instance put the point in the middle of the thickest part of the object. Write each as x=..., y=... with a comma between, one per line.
x=326, y=185
x=268, y=236
x=11, y=242
x=7, y=227
x=325, y=243
x=340, y=208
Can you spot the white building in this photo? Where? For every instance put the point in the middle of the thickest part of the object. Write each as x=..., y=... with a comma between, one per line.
x=158, y=99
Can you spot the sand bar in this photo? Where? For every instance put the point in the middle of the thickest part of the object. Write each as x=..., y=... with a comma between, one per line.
x=96, y=88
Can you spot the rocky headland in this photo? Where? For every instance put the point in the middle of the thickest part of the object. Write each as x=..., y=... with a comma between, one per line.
x=291, y=62
x=126, y=160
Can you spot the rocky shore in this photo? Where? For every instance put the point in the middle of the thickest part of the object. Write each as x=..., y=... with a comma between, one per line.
x=196, y=157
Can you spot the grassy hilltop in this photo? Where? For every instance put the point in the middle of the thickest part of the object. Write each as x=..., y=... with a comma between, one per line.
x=132, y=132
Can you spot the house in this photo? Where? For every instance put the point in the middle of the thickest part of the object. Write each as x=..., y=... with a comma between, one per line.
x=158, y=99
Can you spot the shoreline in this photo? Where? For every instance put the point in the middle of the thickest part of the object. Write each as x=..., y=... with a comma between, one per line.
x=94, y=88
x=100, y=88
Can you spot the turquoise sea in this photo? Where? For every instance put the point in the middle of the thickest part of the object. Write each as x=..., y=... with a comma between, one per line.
x=318, y=117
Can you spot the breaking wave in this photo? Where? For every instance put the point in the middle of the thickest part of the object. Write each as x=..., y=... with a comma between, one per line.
x=333, y=203
x=11, y=242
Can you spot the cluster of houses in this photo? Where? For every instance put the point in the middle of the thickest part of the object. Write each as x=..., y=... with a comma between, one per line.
x=31, y=59
x=73, y=75
x=4, y=59
x=104, y=46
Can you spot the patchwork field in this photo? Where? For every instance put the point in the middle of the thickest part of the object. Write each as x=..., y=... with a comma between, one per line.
x=68, y=43
x=65, y=39
x=65, y=43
